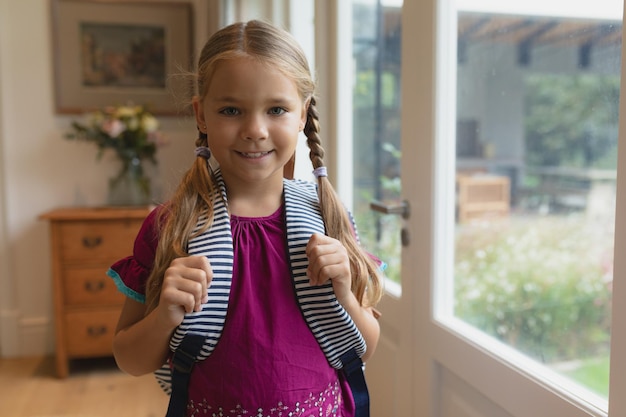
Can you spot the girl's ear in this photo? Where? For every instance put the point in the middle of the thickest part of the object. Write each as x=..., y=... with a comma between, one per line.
x=199, y=112
x=305, y=112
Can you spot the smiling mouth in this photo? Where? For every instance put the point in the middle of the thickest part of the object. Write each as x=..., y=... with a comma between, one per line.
x=253, y=155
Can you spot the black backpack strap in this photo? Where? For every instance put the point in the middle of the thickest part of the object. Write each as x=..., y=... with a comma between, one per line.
x=353, y=371
x=183, y=360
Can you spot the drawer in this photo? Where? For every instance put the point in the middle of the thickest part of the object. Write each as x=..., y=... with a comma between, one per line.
x=90, y=287
x=90, y=332
x=97, y=241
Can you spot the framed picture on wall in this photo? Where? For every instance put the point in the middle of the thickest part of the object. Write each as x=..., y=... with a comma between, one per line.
x=121, y=52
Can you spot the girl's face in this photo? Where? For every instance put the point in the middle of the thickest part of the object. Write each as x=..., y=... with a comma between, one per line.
x=252, y=115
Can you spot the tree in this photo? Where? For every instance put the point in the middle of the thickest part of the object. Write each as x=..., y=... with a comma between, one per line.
x=572, y=121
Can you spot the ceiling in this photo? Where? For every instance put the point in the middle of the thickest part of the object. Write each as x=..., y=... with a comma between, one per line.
x=528, y=32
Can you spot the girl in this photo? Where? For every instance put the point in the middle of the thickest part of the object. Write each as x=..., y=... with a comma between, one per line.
x=222, y=256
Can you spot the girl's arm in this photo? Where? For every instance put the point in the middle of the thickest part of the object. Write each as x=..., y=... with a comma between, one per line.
x=141, y=342
x=328, y=259
x=365, y=320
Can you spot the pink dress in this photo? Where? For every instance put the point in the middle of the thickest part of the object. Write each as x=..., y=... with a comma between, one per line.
x=267, y=361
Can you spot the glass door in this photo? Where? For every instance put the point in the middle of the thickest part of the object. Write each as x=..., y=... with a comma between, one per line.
x=536, y=162
x=501, y=283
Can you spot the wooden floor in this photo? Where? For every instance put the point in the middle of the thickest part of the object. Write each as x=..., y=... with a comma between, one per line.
x=95, y=388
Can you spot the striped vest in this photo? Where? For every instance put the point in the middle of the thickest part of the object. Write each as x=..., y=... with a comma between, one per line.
x=333, y=328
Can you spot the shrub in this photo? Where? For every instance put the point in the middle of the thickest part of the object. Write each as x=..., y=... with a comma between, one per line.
x=542, y=286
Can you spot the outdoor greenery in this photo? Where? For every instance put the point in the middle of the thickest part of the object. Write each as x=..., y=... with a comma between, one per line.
x=541, y=285
x=380, y=234
x=593, y=373
x=572, y=120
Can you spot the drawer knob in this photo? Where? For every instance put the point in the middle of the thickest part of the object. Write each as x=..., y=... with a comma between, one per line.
x=92, y=242
x=94, y=286
x=96, y=331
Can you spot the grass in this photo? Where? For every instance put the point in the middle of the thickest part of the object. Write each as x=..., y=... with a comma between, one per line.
x=592, y=373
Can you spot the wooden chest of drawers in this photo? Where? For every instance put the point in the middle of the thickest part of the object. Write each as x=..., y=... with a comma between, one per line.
x=85, y=242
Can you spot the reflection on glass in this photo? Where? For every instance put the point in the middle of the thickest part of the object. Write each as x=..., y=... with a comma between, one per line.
x=376, y=105
x=536, y=149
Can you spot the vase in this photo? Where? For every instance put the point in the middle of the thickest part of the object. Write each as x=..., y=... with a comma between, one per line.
x=131, y=187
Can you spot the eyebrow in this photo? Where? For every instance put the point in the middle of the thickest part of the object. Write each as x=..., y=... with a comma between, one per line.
x=273, y=100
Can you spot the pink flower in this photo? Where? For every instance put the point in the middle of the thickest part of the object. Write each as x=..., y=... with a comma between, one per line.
x=113, y=127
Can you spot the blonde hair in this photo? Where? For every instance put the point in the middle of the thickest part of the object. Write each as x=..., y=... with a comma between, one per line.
x=193, y=197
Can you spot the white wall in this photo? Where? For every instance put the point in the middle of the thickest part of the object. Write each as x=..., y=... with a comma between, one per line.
x=40, y=170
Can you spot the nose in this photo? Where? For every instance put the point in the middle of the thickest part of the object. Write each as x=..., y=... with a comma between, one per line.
x=255, y=127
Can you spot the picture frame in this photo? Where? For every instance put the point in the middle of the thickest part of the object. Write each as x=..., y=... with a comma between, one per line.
x=115, y=52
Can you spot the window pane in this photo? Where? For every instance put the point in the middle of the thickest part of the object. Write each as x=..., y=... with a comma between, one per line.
x=536, y=153
x=376, y=107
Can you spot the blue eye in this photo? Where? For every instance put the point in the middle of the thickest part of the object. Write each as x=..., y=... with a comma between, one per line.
x=277, y=111
x=229, y=111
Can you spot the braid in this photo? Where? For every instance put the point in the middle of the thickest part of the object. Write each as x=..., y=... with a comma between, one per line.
x=311, y=129
x=365, y=275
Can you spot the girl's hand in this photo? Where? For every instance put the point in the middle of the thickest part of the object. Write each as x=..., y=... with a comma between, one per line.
x=328, y=260
x=184, y=288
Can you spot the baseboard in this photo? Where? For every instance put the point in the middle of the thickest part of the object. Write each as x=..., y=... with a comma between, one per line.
x=9, y=334
x=36, y=336
x=26, y=336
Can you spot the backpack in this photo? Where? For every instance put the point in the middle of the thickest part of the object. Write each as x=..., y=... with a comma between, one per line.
x=198, y=334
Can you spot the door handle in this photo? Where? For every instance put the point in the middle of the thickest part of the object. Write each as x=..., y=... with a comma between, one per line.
x=402, y=208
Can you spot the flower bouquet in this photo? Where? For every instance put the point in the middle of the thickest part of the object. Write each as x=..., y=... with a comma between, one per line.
x=133, y=134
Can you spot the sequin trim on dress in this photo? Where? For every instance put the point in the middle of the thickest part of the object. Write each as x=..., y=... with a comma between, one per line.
x=325, y=404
